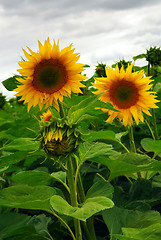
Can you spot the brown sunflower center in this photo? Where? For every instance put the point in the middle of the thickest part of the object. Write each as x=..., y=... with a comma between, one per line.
x=123, y=94
x=49, y=76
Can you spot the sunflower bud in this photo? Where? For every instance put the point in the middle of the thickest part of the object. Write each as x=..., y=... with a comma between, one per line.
x=100, y=70
x=58, y=138
x=121, y=63
x=154, y=56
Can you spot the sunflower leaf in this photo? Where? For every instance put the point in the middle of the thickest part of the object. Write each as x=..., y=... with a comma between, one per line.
x=84, y=211
x=11, y=83
x=22, y=144
x=143, y=55
x=76, y=111
x=151, y=145
x=27, y=197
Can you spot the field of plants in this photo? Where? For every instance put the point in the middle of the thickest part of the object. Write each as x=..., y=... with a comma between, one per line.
x=80, y=158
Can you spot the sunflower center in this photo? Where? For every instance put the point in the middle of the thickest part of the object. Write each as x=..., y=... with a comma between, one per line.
x=49, y=76
x=123, y=94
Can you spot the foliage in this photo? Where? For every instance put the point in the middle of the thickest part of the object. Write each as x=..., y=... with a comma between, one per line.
x=100, y=189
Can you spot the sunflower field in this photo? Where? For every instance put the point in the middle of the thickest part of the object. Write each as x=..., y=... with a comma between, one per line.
x=80, y=158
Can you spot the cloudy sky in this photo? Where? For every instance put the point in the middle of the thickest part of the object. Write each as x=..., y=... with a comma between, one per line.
x=101, y=31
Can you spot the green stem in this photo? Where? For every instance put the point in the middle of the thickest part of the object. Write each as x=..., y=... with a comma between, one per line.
x=154, y=124
x=123, y=145
x=131, y=138
x=132, y=143
x=57, y=216
x=151, y=131
x=153, y=113
x=61, y=108
x=89, y=226
x=73, y=196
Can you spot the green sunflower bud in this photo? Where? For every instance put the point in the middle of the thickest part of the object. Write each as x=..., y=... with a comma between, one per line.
x=59, y=139
x=154, y=56
x=122, y=63
x=100, y=70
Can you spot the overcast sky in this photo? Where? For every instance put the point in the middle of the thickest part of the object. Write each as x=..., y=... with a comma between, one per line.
x=101, y=31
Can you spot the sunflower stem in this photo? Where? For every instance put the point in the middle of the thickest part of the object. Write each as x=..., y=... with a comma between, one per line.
x=154, y=124
x=151, y=131
x=132, y=143
x=131, y=138
x=62, y=112
x=87, y=226
x=73, y=196
x=66, y=225
x=153, y=112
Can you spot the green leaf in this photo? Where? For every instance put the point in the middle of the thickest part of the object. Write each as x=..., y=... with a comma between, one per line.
x=11, y=83
x=11, y=221
x=40, y=222
x=25, y=233
x=32, y=178
x=91, y=136
x=149, y=233
x=8, y=159
x=27, y=197
x=140, y=56
x=100, y=189
x=117, y=218
x=76, y=111
x=22, y=144
x=125, y=164
x=11, y=158
x=4, y=134
x=59, y=176
x=151, y=145
x=120, y=237
x=90, y=150
x=90, y=207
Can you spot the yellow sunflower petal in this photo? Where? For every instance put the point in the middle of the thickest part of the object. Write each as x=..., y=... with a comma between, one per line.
x=50, y=74
x=128, y=93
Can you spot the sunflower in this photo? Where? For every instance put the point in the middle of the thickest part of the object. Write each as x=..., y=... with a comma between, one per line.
x=46, y=116
x=58, y=139
x=128, y=93
x=49, y=74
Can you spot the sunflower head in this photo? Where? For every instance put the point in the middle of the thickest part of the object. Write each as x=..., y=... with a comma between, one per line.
x=154, y=56
x=122, y=63
x=100, y=70
x=128, y=93
x=46, y=116
x=49, y=74
x=58, y=138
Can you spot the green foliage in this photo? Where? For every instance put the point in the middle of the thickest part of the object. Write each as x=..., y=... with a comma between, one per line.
x=2, y=100
x=11, y=83
x=90, y=207
x=27, y=197
x=42, y=197
x=117, y=219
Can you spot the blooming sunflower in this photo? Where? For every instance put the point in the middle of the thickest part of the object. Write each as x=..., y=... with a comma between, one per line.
x=46, y=116
x=128, y=93
x=49, y=74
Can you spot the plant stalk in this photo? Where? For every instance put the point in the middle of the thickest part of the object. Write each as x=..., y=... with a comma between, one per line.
x=132, y=143
x=153, y=113
x=131, y=138
x=88, y=226
x=154, y=124
x=73, y=196
x=61, y=108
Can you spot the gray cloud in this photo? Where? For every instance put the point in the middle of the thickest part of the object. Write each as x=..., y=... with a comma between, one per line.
x=50, y=8
x=102, y=31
